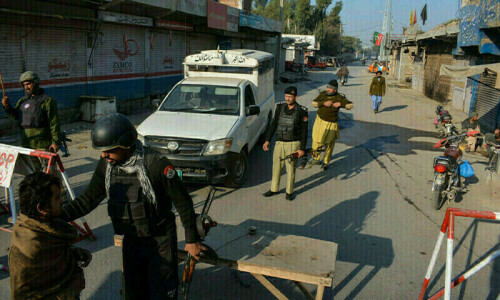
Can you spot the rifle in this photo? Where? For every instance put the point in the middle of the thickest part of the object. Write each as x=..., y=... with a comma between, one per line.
x=313, y=153
x=203, y=225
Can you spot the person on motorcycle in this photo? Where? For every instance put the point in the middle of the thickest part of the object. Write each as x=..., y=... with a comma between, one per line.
x=343, y=74
x=471, y=124
x=492, y=140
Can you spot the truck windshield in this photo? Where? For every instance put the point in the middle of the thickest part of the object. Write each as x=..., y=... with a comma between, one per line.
x=203, y=99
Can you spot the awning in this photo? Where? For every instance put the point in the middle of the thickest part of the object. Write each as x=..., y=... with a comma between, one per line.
x=468, y=71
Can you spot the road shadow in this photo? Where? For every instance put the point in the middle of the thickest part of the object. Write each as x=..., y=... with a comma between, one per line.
x=396, y=107
x=110, y=288
x=351, y=84
x=341, y=224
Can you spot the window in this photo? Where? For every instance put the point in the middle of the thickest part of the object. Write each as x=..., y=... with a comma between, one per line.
x=249, y=98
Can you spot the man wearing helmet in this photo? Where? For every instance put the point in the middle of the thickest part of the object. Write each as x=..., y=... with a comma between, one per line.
x=36, y=114
x=140, y=185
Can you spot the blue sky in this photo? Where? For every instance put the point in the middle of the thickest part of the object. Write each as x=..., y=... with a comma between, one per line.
x=362, y=17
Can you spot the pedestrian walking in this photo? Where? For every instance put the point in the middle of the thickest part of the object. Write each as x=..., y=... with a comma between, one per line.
x=377, y=91
x=36, y=115
x=290, y=125
x=140, y=185
x=43, y=262
x=325, y=129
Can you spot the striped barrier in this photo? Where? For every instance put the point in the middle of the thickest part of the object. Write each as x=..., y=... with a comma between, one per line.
x=449, y=224
x=53, y=159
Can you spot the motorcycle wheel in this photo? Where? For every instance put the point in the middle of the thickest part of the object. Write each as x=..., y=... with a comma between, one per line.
x=437, y=198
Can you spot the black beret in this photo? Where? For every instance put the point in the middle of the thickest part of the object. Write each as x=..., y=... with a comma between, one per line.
x=291, y=90
x=334, y=83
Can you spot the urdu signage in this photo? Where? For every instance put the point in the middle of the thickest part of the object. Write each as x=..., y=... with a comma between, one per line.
x=124, y=19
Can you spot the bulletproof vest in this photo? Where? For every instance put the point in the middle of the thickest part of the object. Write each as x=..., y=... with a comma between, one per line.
x=31, y=112
x=128, y=208
x=287, y=125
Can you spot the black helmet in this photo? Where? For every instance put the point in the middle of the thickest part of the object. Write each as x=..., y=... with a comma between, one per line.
x=113, y=131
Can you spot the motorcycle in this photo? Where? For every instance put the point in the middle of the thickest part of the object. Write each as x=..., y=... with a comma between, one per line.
x=343, y=80
x=444, y=123
x=447, y=182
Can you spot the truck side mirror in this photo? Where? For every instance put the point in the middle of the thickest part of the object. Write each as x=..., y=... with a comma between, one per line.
x=155, y=103
x=252, y=110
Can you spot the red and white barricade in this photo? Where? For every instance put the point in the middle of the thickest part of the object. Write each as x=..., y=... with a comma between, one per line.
x=449, y=224
x=13, y=158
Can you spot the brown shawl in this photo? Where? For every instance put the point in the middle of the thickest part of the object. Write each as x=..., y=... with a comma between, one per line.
x=42, y=265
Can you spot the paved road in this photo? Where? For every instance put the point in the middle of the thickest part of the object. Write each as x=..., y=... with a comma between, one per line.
x=374, y=203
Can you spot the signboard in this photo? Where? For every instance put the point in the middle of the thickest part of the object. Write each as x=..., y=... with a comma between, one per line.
x=193, y=7
x=174, y=25
x=216, y=15
x=299, y=39
x=258, y=22
x=8, y=159
x=233, y=19
x=124, y=19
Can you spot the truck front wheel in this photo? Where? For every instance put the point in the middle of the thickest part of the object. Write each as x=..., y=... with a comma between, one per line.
x=238, y=170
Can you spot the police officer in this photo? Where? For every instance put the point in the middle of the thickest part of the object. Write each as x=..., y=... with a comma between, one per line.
x=325, y=129
x=290, y=125
x=36, y=114
x=141, y=186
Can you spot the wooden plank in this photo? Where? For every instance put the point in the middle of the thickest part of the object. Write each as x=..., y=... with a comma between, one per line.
x=266, y=270
x=269, y=286
x=306, y=293
x=319, y=292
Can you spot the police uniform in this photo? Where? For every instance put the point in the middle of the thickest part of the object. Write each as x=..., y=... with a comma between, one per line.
x=37, y=117
x=290, y=127
x=325, y=129
x=140, y=193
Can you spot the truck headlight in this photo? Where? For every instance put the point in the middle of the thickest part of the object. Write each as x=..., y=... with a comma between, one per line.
x=218, y=147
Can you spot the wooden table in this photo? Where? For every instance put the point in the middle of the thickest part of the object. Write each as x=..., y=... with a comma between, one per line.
x=296, y=258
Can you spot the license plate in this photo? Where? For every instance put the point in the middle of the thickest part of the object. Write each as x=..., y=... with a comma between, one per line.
x=179, y=172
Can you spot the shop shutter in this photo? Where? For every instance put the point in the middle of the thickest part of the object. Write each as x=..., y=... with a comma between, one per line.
x=119, y=59
x=59, y=58
x=167, y=54
x=488, y=102
x=11, y=61
x=199, y=42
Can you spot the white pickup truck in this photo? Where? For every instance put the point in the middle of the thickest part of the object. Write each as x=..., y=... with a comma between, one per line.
x=210, y=121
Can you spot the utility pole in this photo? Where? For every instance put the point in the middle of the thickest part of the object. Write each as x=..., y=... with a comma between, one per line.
x=385, y=28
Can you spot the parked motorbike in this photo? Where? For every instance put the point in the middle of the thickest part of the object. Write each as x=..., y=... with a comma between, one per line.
x=447, y=182
x=444, y=123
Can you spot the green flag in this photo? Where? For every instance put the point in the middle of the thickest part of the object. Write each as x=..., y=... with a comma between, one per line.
x=375, y=37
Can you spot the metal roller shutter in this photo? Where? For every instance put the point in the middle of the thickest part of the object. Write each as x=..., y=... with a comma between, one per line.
x=199, y=42
x=167, y=54
x=488, y=102
x=59, y=58
x=11, y=62
x=119, y=60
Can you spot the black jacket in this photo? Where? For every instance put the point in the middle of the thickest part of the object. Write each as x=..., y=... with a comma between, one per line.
x=301, y=123
x=167, y=191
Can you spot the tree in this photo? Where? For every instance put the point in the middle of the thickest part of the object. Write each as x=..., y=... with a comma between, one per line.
x=375, y=48
x=328, y=33
x=303, y=16
x=351, y=44
x=272, y=10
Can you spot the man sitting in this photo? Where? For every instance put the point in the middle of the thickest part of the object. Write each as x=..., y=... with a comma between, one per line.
x=43, y=265
x=471, y=124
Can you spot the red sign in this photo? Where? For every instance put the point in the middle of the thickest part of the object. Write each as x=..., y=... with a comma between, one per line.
x=130, y=48
x=174, y=25
x=379, y=39
x=216, y=15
